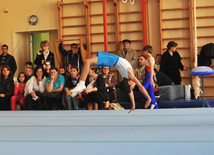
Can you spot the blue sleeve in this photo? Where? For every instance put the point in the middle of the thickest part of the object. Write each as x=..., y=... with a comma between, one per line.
x=47, y=81
x=61, y=80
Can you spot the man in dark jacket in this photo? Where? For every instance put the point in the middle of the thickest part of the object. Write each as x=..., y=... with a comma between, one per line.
x=73, y=56
x=7, y=59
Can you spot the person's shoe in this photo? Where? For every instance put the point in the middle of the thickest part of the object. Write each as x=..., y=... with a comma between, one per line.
x=78, y=89
x=152, y=106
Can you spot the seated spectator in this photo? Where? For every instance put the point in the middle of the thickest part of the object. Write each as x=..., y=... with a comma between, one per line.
x=139, y=72
x=28, y=64
x=28, y=73
x=110, y=83
x=95, y=91
x=44, y=55
x=6, y=88
x=71, y=82
x=18, y=96
x=162, y=79
x=54, y=87
x=157, y=62
x=62, y=71
x=47, y=67
x=68, y=71
x=34, y=89
x=73, y=56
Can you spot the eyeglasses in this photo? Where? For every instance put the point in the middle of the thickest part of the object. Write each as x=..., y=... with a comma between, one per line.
x=74, y=47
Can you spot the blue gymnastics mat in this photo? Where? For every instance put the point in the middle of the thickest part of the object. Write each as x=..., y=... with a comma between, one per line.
x=149, y=132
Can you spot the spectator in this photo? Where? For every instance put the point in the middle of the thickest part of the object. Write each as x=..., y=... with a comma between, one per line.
x=18, y=96
x=139, y=72
x=34, y=89
x=71, y=82
x=95, y=91
x=68, y=71
x=171, y=63
x=157, y=62
x=110, y=83
x=54, y=87
x=28, y=64
x=162, y=79
x=6, y=88
x=28, y=73
x=129, y=54
x=73, y=56
x=44, y=55
x=7, y=59
x=47, y=67
x=62, y=71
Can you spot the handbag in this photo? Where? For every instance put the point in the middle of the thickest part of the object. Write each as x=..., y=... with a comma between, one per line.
x=116, y=106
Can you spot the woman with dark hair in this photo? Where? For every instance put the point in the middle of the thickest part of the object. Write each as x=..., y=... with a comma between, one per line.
x=19, y=92
x=34, y=89
x=171, y=63
x=95, y=91
x=6, y=88
x=110, y=83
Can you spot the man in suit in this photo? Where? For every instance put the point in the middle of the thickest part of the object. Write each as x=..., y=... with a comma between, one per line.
x=128, y=53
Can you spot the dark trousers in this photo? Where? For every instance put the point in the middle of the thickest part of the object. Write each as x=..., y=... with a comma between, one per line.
x=53, y=100
x=5, y=103
x=93, y=97
x=33, y=104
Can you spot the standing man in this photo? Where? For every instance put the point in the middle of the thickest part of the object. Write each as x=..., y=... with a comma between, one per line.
x=73, y=56
x=7, y=59
x=129, y=54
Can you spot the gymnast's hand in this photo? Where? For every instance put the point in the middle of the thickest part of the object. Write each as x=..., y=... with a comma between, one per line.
x=132, y=109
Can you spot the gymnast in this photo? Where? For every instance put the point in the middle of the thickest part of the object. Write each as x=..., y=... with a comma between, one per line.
x=147, y=82
x=123, y=66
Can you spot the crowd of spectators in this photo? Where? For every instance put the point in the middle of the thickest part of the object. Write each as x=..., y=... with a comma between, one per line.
x=46, y=87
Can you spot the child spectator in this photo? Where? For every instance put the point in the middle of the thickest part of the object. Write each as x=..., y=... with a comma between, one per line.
x=18, y=96
x=44, y=55
x=62, y=71
x=47, y=67
x=28, y=64
x=28, y=73
x=70, y=83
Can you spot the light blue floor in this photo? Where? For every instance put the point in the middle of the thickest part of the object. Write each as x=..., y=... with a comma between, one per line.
x=163, y=131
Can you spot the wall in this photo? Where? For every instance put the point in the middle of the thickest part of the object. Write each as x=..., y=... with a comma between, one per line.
x=14, y=24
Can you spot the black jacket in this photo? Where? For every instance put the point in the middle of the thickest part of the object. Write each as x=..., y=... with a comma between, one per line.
x=163, y=79
x=73, y=59
x=69, y=82
x=50, y=58
x=207, y=52
x=7, y=86
x=170, y=66
x=8, y=60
